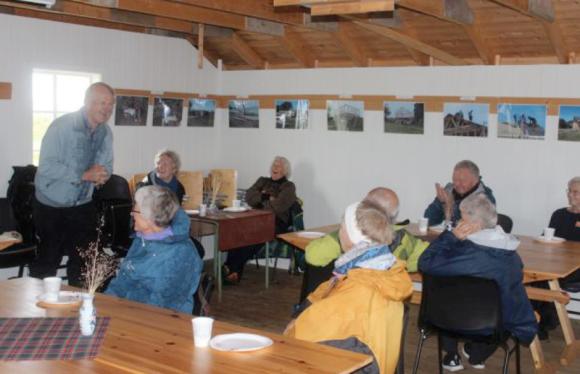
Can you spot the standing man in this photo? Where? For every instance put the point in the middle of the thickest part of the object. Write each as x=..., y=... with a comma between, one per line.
x=75, y=157
x=466, y=181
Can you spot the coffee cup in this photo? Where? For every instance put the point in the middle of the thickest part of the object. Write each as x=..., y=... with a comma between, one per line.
x=423, y=224
x=549, y=233
x=236, y=203
x=51, y=288
x=202, y=327
x=202, y=210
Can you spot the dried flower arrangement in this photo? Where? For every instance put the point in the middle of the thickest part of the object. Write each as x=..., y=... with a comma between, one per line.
x=98, y=266
x=211, y=188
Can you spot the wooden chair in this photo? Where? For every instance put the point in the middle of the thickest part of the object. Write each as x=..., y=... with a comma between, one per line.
x=134, y=180
x=229, y=185
x=193, y=183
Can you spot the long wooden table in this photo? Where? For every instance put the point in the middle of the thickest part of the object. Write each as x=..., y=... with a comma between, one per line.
x=234, y=230
x=145, y=339
x=542, y=262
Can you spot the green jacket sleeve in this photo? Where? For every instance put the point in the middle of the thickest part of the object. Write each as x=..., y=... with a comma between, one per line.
x=321, y=252
x=409, y=250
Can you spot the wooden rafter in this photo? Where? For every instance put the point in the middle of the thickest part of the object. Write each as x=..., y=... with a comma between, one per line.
x=334, y=7
x=353, y=50
x=539, y=9
x=293, y=43
x=210, y=56
x=557, y=41
x=413, y=43
x=456, y=11
x=200, y=46
x=246, y=52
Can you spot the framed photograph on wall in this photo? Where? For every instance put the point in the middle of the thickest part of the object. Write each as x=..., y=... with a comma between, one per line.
x=292, y=114
x=131, y=110
x=403, y=117
x=465, y=119
x=569, y=123
x=167, y=112
x=345, y=115
x=521, y=121
x=244, y=113
x=201, y=113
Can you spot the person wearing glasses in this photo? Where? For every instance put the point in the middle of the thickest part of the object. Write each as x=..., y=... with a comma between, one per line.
x=162, y=267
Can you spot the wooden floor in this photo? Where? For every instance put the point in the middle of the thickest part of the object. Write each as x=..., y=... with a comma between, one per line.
x=250, y=304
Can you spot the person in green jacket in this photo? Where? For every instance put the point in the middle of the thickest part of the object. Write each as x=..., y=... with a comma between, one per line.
x=321, y=253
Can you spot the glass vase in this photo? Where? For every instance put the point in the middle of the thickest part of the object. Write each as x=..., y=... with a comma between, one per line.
x=87, y=315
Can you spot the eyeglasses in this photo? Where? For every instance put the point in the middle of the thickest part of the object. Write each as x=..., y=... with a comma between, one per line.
x=135, y=211
x=572, y=192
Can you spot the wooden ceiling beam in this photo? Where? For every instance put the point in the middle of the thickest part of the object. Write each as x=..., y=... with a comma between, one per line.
x=557, y=41
x=212, y=31
x=353, y=7
x=539, y=9
x=413, y=43
x=246, y=52
x=456, y=11
x=294, y=44
x=210, y=56
x=345, y=40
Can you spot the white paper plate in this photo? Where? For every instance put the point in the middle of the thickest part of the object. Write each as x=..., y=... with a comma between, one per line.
x=64, y=298
x=310, y=234
x=438, y=228
x=233, y=209
x=554, y=240
x=192, y=212
x=239, y=342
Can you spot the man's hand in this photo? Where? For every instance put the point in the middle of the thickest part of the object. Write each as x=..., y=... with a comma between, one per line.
x=96, y=174
x=464, y=229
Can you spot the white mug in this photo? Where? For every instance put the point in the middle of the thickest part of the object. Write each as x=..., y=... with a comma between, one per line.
x=423, y=224
x=549, y=233
x=51, y=288
x=236, y=203
x=202, y=210
x=202, y=327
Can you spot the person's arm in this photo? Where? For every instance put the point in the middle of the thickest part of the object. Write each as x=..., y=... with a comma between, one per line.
x=435, y=212
x=105, y=153
x=281, y=203
x=410, y=249
x=52, y=165
x=322, y=251
x=254, y=193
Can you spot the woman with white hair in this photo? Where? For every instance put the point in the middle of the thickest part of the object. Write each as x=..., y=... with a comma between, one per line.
x=566, y=221
x=167, y=165
x=162, y=267
x=361, y=307
x=275, y=193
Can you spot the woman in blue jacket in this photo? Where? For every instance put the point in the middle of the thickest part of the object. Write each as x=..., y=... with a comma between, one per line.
x=162, y=267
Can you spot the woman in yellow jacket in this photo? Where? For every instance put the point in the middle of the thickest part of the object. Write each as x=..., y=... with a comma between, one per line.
x=361, y=307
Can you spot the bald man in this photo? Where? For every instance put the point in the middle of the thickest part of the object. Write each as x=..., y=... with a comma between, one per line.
x=321, y=253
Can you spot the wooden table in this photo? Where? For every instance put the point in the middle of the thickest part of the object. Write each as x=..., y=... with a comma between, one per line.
x=145, y=339
x=8, y=243
x=235, y=230
x=542, y=262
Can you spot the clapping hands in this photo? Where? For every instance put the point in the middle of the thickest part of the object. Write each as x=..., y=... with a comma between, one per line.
x=96, y=174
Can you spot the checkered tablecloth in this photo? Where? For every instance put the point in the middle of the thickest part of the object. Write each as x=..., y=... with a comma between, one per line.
x=48, y=339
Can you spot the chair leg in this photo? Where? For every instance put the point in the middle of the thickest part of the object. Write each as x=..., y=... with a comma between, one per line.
x=439, y=355
x=422, y=338
x=506, y=360
x=20, y=271
x=518, y=367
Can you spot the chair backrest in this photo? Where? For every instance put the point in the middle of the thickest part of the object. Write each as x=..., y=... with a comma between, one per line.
x=505, y=222
x=296, y=216
x=229, y=184
x=7, y=220
x=120, y=218
x=193, y=183
x=116, y=188
x=134, y=180
x=20, y=194
x=202, y=296
x=461, y=304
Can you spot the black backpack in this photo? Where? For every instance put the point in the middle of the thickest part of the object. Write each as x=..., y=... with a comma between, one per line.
x=20, y=194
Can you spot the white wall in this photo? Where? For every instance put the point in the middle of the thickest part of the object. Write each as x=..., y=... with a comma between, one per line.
x=124, y=60
x=332, y=169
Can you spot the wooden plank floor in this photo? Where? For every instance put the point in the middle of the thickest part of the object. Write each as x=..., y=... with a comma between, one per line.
x=250, y=304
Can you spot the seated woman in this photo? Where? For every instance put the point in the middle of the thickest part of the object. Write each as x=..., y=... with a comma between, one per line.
x=277, y=194
x=162, y=267
x=167, y=164
x=566, y=222
x=361, y=307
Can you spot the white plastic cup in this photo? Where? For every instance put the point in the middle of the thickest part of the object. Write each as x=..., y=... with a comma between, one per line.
x=51, y=288
x=423, y=224
x=549, y=233
x=202, y=210
x=201, y=330
x=237, y=203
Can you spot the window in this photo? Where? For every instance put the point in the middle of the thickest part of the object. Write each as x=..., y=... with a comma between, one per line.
x=55, y=93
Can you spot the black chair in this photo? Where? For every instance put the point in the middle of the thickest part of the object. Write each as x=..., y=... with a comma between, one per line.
x=505, y=222
x=462, y=307
x=19, y=255
x=119, y=216
x=401, y=364
x=202, y=296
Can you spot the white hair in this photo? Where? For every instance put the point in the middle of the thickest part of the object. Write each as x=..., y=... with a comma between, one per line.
x=469, y=165
x=172, y=155
x=157, y=204
x=479, y=209
x=285, y=164
x=573, y=181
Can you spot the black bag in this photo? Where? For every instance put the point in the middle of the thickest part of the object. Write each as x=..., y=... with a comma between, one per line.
x=20, y=194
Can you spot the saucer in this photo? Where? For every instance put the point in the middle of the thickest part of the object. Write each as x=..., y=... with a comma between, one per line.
x=191, y=212
x=65, y=299
x=310, y=234
x=236, y=209
x=554, y=240
x=239, y=342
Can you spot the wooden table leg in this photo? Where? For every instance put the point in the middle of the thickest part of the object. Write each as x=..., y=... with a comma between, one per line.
x=267, y=250
x=572, y=345
x=540, y=364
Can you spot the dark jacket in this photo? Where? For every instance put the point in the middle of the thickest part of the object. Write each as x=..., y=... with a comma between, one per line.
x=436, y=213
x=450, y=256
x=151, y=180
x=284, y=196
x=163, y=272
